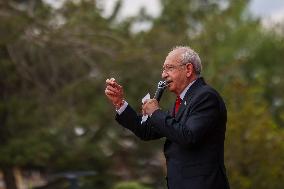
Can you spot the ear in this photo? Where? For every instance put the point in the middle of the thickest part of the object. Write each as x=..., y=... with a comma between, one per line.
x=189, y=70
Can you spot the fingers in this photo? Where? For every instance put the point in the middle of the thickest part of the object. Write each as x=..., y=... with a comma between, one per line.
x=113, y=83
x=149, y=106
x=150, y=101
x=111, y=80
x=110, y=93
x=142, y=110
x=112, y=89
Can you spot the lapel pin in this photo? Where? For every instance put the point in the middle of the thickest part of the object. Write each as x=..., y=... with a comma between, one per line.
x=185, y=103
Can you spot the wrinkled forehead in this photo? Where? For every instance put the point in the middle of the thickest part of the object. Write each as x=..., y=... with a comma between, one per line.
x=174, y=57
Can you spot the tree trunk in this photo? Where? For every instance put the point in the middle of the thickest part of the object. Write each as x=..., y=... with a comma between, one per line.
x=9, y=178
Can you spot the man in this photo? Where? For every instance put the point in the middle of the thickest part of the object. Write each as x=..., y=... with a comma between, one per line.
x=194, y=128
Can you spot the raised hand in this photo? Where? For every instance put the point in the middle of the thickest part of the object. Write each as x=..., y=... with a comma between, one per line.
x=114, y=93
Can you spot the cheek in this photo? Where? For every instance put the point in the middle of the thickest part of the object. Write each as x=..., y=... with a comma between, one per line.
x=172, y=85
x=175, y=79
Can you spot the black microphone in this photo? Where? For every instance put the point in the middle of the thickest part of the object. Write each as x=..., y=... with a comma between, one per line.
x=162, y=85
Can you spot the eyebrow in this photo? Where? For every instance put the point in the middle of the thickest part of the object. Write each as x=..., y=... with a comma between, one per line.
x=168, y=65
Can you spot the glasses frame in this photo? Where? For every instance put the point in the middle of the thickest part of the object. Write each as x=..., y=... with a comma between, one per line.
x=171, y=67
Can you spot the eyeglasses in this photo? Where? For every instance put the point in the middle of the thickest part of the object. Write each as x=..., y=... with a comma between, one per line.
x=170, y=67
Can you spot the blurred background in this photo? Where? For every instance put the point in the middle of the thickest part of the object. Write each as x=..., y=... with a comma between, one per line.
x=57, y=129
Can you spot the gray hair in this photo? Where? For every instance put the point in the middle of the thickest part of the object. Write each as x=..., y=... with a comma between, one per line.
x=188, y=55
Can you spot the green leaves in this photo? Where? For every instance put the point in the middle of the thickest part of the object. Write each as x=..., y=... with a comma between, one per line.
x=53, y=66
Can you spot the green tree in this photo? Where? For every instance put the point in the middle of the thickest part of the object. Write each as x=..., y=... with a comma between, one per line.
x=53, y=65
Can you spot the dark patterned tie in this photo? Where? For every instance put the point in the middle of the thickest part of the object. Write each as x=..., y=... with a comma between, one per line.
x=177, y=105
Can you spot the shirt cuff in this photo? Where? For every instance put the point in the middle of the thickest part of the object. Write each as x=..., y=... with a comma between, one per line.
x=122, y=108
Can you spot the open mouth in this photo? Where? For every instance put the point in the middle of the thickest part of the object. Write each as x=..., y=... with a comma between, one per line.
x=168, y=82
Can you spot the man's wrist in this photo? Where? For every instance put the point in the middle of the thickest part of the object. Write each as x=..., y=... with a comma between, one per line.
x=119, y=104
x=122, y=108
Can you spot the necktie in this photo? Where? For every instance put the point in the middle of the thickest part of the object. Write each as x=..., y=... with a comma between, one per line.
x=178, y=103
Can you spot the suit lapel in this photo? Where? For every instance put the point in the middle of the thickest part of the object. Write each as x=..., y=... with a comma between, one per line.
x=172, y=110
x=188, y=96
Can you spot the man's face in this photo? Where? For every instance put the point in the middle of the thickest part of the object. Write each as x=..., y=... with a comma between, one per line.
x=175, y=73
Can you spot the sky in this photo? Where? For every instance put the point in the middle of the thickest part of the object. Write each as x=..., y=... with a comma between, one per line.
x=268, y=10
x=271, y=11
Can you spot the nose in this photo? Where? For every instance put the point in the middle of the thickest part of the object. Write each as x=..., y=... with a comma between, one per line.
x=164, y=75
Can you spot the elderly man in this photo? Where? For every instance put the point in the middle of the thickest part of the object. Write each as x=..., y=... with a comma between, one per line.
x=194, y=127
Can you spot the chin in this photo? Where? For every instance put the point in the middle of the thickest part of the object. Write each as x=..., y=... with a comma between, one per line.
x=171, y=88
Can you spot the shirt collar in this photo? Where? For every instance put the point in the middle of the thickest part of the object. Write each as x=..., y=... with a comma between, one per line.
x=182, y=94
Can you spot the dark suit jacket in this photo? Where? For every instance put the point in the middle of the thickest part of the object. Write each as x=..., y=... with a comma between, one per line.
x=194, y=147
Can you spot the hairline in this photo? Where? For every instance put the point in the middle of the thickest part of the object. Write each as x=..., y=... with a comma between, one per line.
x=182, y=51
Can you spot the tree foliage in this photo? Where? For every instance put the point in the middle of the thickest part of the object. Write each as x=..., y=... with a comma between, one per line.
x=54, y=62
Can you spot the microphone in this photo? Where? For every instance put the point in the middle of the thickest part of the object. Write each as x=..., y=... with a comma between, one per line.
x=162, y=85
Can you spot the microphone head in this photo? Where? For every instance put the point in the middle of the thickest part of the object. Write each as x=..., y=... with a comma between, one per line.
x=160, y=89
x=162, y=84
